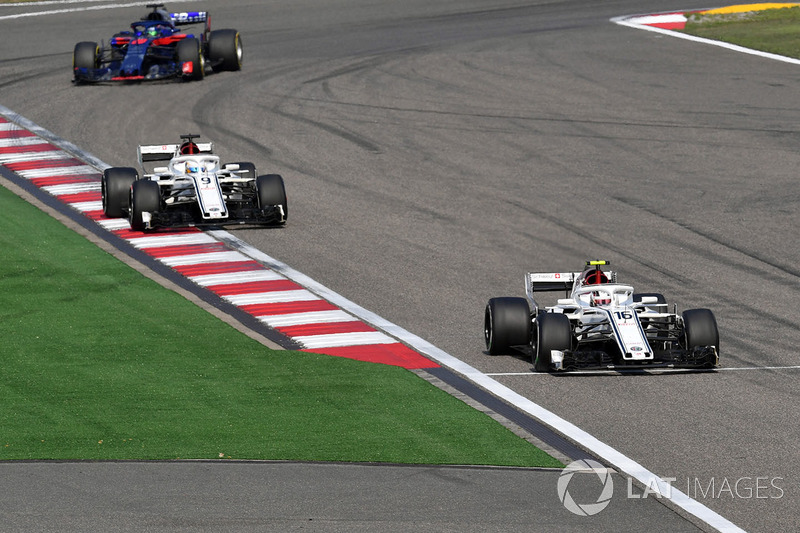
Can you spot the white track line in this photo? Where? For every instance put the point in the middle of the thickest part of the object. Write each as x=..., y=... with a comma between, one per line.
x=20, y=141
x=626, y=20
x=202, y=258
x=616, y=459
x=229, y=278
x=334, y=340
x=161, y=241
x=272, y=297
x=650, y=371
x=794, y=367
x=40, y=156
x=310, y=317
x=74, y=9
x=72, y=188
x=619, y=461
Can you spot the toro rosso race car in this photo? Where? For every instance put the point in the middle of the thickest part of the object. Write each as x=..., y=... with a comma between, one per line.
x=156, y=49
x=194, y=189
x=599, y=324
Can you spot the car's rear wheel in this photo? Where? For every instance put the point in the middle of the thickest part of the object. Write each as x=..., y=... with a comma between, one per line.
x=637, y=297
x=86, y=55
x=271, y=191
x=115, y=190
x=225, y=50
x=188, y=52
x=506, y=323
x=553, y=332
x=145, y=198
x=246, y=170
x=700, y=329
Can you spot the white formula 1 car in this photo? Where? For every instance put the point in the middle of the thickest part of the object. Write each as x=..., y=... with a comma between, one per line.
x=194, y=189
x=600, y=324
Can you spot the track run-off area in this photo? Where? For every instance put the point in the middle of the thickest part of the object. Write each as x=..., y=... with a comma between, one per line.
x=434, y=153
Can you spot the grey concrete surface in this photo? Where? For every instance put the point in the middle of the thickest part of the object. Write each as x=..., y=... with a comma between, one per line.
x=435, y=151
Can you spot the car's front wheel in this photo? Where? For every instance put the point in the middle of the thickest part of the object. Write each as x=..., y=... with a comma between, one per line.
x=115, y=190
x=145, y=198
x=271, y=191
x=190, y=59
x=553, y=332
x=506, y=323
x=86, y=55
x=700, y=329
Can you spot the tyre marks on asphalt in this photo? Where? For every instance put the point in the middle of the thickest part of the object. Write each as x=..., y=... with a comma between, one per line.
x=301, y=315
x=249, y=266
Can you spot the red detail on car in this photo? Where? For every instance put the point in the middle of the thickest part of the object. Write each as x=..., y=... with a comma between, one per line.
x=168, y=40
x=187, y=67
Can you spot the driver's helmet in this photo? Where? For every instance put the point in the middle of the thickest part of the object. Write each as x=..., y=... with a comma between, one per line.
x=192, y=167
x=152, y=31
x=189, y=148
x=595, y=277
x=600, y=298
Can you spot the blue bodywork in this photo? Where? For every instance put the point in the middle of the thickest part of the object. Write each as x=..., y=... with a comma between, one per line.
x=149, y=51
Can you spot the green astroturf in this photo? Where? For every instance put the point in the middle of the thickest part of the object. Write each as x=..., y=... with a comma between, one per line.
x=774, y=30
x=99, y=362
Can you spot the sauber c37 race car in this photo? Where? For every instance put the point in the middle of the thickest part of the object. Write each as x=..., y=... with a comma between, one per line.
x=600, y=324
x=194, y=189
x=155, y=49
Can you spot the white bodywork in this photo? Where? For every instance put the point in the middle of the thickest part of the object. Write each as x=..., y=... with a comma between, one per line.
x=203, y=181
x=618, y=316
x=195, y=177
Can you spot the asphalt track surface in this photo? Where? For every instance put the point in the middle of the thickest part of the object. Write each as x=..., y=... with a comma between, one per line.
x=434, y=152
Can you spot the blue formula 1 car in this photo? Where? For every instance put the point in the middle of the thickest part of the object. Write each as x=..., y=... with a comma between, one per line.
x=155, y=49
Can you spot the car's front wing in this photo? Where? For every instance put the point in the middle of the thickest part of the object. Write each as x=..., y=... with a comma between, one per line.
x=189, y=216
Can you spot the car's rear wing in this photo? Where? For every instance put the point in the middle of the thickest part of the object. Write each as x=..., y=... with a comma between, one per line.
x=165, y=152
x=554, y=281
x=550, y=281
x=190, y=17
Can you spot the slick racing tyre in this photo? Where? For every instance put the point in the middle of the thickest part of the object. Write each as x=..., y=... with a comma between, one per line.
x=271, y=191
x=145, y=197
x=700, y=329
x=115, y=190
x=188, y=51
x=553, y=332
x=506, y=323
x=86, y=55
x=225, y=50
